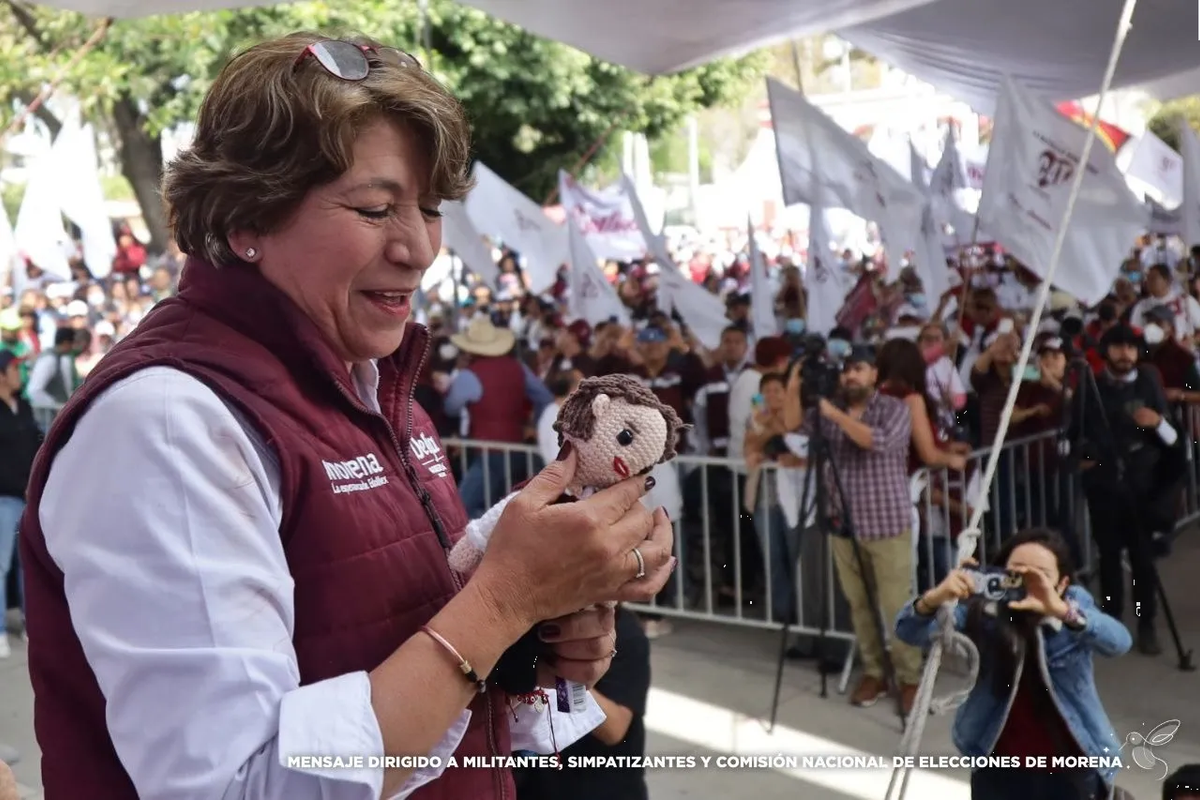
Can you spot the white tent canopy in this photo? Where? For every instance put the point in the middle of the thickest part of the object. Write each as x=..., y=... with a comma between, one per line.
x=962, y=47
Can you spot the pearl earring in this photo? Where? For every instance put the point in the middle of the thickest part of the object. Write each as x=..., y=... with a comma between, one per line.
x=251, y=252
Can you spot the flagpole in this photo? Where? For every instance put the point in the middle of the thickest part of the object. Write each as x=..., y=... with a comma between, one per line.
x=50, y=88
x=911, y=741
x=587, y=156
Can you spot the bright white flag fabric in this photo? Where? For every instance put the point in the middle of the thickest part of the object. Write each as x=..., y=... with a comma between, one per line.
x=460, y=235
x=1155, y=164
x=825, y=289
x=763, y=321
x=930, y=254
x=497, y=209
x=74, y=158
x=813, y=149
x=593, y=298
x=39, y=231
x=702, y=310
x=605, y=216
x=949, y=178
x=1031, y=166
x=1167, y=221
x=1189, y=217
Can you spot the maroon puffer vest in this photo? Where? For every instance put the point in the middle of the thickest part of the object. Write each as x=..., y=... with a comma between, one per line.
x=369, y=563
x=716, y=395
x=501, y=415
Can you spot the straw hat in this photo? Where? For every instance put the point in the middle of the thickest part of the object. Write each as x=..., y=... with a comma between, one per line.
x=482, y=338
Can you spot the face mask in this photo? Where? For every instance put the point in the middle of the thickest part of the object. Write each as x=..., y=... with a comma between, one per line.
x=1031, y=373
x=794, y=326
x=1153, y=334
x=917, y=299
x=839, y=348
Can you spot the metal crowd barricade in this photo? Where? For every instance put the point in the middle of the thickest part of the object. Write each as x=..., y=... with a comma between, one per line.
x=717, y=580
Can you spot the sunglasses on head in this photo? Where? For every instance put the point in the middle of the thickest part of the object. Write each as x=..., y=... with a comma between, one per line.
x=351, y=61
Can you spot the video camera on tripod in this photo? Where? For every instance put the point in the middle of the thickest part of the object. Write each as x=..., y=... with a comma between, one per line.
x=820, y=367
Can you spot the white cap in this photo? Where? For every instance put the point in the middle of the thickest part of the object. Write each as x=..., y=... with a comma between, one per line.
x=105, y=328
x=77, y=308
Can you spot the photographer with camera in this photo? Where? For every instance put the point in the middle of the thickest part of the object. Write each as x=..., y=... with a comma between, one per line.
x=1035, y=695
x=868, y=438
x=1130, y=454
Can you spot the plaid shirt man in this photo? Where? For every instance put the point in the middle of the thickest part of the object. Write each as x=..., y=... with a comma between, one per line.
x=875, y=480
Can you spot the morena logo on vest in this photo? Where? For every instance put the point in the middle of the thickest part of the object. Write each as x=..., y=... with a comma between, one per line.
x=355, y=475
x=429, y=453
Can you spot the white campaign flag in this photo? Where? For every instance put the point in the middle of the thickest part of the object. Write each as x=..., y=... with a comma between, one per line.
x=814, y=150
x=593, y=298
x=975, y=168
x=1031, y=166
x=762, y=300
x=1154, y=163
x=930, y=254
x=81, y=197
x=1167, y=221
x=605, y=217
x=1189, y=209
x=460, y=235
x=497, y=209
x=702, y=310
x=948, y=180
x=825, y=291
x=39, y=232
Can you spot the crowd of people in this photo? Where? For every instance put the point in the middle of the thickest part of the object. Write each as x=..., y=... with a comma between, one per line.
x=238, y=386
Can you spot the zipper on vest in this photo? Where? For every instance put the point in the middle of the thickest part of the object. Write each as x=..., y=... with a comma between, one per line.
x=439, y=528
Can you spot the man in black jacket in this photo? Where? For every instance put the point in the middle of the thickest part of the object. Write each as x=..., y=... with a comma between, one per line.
x=1129, y=450
x=19, y=441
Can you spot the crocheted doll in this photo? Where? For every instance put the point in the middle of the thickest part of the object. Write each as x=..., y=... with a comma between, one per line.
x=617, y=428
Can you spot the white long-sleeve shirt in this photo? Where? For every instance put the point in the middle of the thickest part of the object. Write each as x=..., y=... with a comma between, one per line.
x=741, y=408
x=180, y=593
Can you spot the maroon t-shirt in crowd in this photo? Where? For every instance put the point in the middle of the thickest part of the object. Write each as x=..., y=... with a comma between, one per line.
x=992, y=392
x=1035, y=393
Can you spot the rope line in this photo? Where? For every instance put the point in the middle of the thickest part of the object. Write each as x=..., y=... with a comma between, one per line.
x=948, y=637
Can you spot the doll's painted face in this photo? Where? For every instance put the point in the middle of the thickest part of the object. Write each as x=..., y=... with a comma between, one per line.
x=627, y=440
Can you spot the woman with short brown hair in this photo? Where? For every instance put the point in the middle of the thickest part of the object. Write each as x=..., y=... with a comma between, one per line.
x=252, y=591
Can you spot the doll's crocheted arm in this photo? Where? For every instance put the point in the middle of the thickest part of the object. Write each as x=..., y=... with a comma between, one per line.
x=468, y=552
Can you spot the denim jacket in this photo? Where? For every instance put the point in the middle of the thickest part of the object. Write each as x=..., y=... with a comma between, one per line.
x=1065, y=658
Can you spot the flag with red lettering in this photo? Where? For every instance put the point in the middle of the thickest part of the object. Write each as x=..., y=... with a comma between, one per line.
x=1032, y=162
x=605, y=217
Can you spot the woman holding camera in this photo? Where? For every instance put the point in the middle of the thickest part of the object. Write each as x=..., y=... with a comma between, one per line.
x=1036, y=693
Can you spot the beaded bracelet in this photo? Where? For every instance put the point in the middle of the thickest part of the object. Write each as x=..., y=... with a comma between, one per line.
x=463, y=664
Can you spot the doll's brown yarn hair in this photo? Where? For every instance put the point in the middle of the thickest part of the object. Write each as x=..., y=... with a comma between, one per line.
x=576, y=419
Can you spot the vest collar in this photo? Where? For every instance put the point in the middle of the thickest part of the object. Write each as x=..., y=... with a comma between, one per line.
x=242, y=298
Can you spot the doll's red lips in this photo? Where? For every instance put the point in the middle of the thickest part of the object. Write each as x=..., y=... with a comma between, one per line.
x=620, y=468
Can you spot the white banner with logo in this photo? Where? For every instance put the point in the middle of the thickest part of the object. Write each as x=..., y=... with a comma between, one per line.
x=822, y=275
x=1155, y=164
x=497, y=209
x=593, y=298
x=1035, y=152
x=930, y=254
x=605, y=217
x=813, y=151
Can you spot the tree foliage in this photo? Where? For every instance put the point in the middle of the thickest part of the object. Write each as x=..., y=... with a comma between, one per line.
x=1165, y=122
x=536, y=106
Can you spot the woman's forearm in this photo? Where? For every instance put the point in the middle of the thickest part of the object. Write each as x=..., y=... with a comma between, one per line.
x=419, y=691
